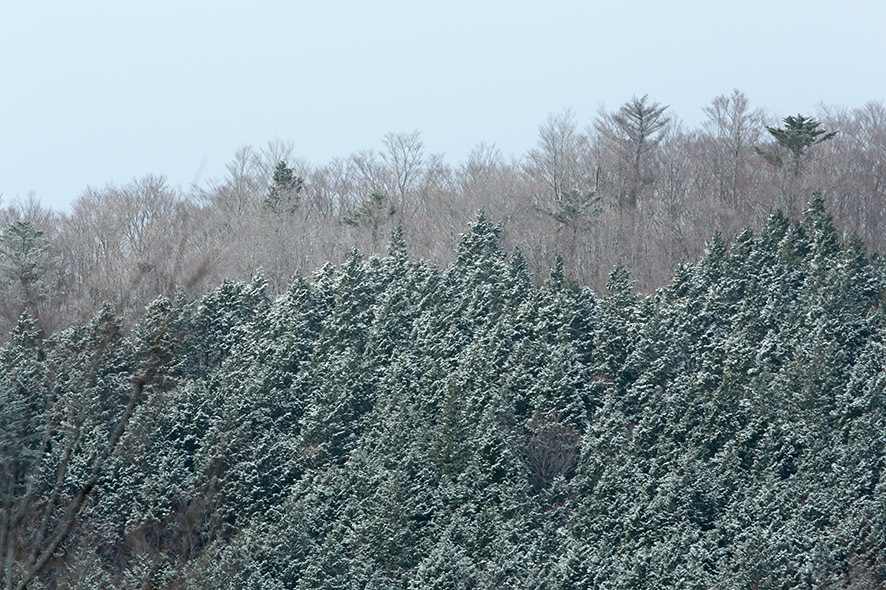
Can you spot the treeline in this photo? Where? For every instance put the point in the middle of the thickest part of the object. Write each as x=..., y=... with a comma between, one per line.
x=634, y=187
x=392, y=424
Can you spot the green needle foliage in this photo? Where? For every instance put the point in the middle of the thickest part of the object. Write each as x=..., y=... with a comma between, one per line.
x=391, y=424
x=798, y=134
x=283, y=195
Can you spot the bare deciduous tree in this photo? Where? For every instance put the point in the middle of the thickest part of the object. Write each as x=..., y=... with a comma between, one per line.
x=555, y=162
x=735, y=128
x=404, y=158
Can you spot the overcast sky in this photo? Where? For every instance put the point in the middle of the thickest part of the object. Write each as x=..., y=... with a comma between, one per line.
x=106, y=91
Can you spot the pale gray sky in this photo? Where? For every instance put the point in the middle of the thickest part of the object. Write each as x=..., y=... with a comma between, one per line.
x=93, y=92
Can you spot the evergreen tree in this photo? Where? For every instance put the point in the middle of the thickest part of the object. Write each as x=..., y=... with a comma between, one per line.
x=389, y=424
x=798, y=134
x=283, y=195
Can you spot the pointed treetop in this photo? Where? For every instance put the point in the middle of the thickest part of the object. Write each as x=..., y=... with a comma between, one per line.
x=259, y=282
x=816, y=208
x=820, y=226
x=620, y=282
x=777, y=224
x=518, y=261
x=556, y=278
x=397, y=246
x=715, y=248
x=518, y=269
x=283, y=193
x=25, y=332
x=481, y=238
x=518, y=273
x=352, y=264
x=297, y=283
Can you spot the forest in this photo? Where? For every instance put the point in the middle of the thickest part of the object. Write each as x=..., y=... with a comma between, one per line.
x=638, y=357
x=635, y=188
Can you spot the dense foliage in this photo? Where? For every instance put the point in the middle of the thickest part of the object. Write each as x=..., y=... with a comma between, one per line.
x=391, y=424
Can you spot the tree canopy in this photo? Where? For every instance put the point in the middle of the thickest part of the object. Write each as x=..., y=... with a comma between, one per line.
x=391, y=423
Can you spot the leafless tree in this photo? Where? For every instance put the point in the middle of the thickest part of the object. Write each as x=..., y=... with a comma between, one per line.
x=735, y=128
x=555, y=162
x=127, y=245
x=404, y=158
x=633, y=187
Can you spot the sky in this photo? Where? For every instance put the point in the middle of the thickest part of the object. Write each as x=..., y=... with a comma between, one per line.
x=102, y=92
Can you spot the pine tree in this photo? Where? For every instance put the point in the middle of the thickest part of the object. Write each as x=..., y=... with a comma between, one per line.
x=283, y=195
x=797, y=136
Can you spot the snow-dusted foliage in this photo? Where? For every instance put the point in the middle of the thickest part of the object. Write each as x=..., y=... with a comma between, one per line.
x=390, y=424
